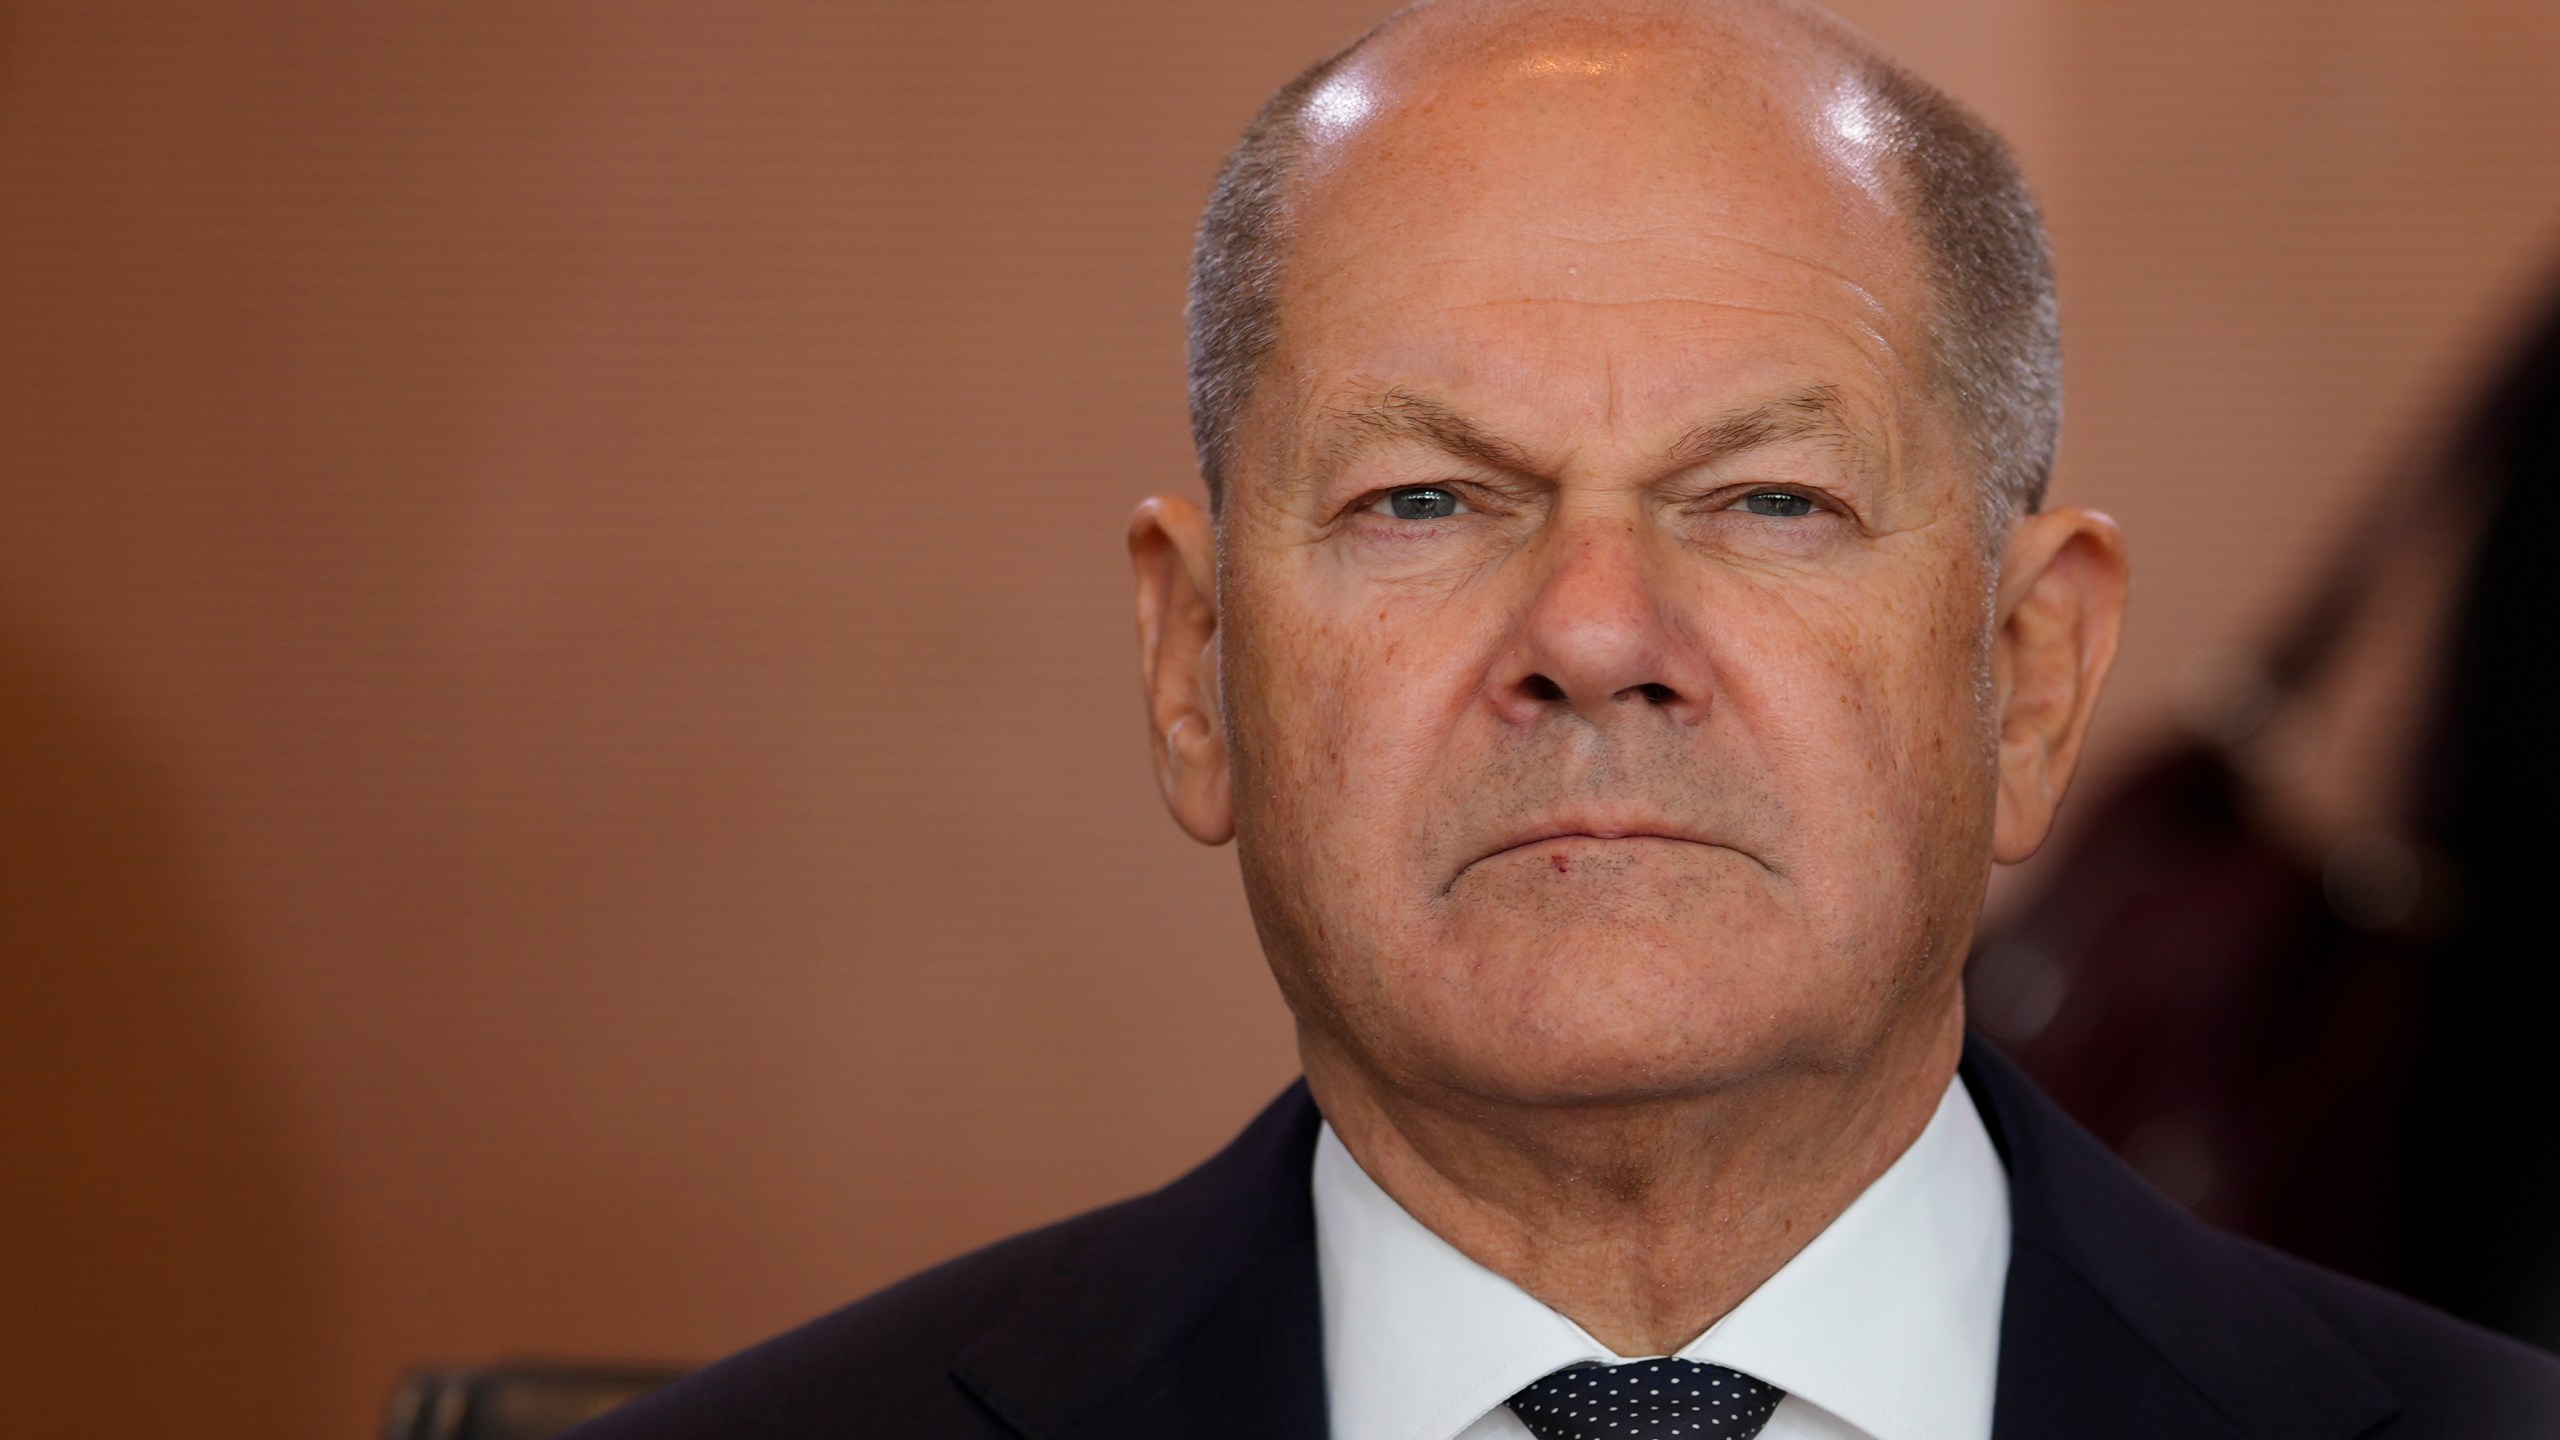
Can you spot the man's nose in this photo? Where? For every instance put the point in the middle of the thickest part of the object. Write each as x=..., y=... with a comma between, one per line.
x=1599, y=639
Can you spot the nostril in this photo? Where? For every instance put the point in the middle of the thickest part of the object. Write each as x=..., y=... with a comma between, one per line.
x=1540, y=687
x=1659, y=694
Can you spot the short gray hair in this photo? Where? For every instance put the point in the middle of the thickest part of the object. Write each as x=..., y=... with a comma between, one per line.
x=1995, y=341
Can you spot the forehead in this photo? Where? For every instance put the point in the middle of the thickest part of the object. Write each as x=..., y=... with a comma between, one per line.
x=1601, y=216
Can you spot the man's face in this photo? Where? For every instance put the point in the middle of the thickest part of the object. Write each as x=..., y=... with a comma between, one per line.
x=1604, y=609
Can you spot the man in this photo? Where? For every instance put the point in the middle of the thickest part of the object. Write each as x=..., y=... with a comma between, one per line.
x=1624, y=635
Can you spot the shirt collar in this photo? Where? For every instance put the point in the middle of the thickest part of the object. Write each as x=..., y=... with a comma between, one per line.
x=1889, y=1318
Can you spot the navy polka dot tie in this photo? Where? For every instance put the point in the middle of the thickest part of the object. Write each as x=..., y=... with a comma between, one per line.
x=1647, y=1400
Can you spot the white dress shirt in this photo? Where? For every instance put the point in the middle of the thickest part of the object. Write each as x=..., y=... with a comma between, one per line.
x=1886, y=1326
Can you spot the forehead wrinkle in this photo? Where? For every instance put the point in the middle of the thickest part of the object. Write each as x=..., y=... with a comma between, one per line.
x=1513, y=302
x=1527, y=208
x=1323, y=271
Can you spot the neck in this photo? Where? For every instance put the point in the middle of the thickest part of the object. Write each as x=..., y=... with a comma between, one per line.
x=1644, y=1221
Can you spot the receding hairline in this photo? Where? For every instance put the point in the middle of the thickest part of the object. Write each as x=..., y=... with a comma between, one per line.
x=1990, y=343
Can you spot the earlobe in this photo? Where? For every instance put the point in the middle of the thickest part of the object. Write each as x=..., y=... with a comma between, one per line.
x=2063, y=583
x=1173, y=548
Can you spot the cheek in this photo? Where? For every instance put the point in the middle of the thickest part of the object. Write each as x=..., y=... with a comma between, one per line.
x=1338, y=710
x=1360, y=728
x=1868, y=711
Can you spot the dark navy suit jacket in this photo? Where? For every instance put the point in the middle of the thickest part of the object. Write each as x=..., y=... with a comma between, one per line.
x=1192, y=1312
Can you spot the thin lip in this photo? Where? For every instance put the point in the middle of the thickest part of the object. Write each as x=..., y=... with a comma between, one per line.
x=1598, y=832
x=1591, y=830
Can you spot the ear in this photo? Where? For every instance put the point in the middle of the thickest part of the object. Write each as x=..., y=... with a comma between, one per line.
x=2063, y=579
x=1175, y=550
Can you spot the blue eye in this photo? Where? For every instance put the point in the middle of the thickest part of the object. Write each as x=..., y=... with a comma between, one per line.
x=1777, y=503
x=1421, y=502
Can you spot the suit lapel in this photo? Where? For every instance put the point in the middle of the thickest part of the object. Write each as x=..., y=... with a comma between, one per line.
x=1189, y=1312
x=2124, y=1316
x=1193, y=1311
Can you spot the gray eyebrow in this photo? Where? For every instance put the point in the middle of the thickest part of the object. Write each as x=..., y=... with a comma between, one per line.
x=1815, y=412
x=1399, y=414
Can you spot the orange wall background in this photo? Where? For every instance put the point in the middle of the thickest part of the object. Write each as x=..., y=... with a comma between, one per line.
x=570, y=772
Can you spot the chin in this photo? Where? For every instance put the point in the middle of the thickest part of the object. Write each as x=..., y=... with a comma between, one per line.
x=1623, y=1012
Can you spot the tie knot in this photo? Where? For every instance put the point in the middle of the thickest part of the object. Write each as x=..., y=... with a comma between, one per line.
x=1645, y=1399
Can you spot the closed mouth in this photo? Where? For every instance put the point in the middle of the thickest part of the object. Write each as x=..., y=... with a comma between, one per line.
x=1603, y=833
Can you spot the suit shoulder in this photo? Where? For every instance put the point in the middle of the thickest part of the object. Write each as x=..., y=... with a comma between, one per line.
x=2452, y=1378
x=886, y=1358
x=1051, y=1322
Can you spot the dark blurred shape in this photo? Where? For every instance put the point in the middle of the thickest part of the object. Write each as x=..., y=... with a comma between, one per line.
x=2340, y=1042
x=520, y=1400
